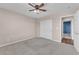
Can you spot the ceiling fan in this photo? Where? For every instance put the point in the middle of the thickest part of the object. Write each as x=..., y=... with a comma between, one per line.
x=37, y=8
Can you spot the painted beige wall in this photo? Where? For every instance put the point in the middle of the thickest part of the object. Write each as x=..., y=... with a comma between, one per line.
x=76, y=30
x=37, y=28
x=15, y=27
x=56, y=28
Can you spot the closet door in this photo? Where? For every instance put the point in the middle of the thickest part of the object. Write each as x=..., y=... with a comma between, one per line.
x=46, y=29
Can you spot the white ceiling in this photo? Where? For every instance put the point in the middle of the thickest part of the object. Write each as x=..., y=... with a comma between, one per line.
x=52, y=9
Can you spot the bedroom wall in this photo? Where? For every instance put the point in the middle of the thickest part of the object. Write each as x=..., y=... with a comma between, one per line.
x=76, y=30
x=37, y=28
x=56, y=28
x=15, y=27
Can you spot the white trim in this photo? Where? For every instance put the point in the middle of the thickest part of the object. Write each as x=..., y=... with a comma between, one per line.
x=67, y=16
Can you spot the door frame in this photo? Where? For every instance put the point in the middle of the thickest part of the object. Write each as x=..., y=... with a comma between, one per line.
x=68, y=16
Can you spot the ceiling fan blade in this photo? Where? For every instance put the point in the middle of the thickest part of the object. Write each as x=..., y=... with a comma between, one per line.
x=31, y=5
x=32, y=10
x=41, y=5
x=42, y=10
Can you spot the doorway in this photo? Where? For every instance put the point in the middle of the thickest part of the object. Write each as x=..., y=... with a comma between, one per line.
x=67, y=31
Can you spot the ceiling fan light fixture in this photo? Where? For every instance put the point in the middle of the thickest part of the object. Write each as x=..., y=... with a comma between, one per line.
x=37, y=11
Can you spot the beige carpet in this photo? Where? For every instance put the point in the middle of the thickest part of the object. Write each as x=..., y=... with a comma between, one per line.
x=38, y=46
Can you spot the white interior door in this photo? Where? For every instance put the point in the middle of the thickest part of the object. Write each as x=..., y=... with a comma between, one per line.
x=46, y=29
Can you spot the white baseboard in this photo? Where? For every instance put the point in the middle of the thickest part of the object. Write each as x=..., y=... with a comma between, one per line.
x=8, y=43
